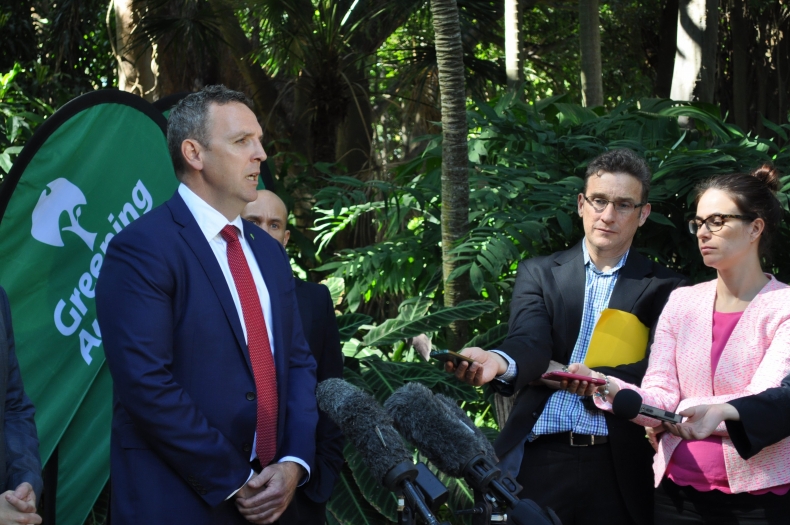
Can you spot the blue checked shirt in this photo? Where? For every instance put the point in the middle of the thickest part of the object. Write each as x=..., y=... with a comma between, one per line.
x=565, y=411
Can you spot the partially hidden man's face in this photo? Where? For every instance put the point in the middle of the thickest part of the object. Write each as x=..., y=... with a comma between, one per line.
x=231, y=161
x=269, y=213
x=610, y=232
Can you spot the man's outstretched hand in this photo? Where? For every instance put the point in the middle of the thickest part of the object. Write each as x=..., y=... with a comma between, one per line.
x=486, y=367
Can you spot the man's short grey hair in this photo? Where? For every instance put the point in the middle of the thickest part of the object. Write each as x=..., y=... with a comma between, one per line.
x=188, y=120
x=621, y=160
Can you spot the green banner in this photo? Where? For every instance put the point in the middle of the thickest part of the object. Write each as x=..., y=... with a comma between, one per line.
x=91, y=169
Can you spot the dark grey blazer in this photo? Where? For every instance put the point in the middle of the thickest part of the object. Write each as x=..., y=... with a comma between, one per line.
x=545, y=319
x=765, y=420
x=19, y=459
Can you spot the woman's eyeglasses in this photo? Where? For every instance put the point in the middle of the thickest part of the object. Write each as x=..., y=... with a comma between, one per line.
x=714, y=222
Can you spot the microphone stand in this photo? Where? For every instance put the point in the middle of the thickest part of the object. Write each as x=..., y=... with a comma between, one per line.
x=401, y=480
x=494, y=494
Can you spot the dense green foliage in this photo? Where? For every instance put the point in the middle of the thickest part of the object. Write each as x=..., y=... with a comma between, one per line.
x=527, y=162
x=372, y=225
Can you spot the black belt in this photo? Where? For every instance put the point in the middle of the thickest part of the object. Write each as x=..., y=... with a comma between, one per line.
x=572, y=439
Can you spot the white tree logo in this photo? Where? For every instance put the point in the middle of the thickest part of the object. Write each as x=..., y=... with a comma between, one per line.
x=61, y=196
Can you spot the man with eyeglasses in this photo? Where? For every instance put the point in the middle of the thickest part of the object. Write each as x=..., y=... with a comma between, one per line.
x=585, y=464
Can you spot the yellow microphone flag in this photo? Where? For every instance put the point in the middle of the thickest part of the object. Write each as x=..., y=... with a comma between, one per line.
x=619, y=338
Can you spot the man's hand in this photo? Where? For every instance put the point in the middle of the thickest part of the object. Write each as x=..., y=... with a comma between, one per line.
x=266, y=496
x=702, y=420
x=554, y=385
x=19, y=506
x=488, y=365
x=580, y=388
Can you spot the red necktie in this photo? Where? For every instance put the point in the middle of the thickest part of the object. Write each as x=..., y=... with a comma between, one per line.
x=259, y=346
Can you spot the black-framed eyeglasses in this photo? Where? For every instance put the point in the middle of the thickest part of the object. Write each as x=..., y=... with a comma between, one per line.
x=621, y=207
x=714, y=222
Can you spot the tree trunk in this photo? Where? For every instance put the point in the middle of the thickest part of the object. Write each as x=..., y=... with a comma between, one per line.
x=135, y=65
x=590, y=40
x=668, y=32
x=695, y=61
x=455, y=155
x=740, y=64
x=514, y=66
x=265, y=94
x=354, y=136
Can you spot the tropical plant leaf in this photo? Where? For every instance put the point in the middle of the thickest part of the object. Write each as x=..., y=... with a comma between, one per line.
x=489, y=339
x=384, y=501
x=393, y=330
x=348, y=504
x=348, y=324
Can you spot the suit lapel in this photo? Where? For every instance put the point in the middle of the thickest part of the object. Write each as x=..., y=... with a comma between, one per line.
x=569, y=274
x=631, y=282
x=195, y=239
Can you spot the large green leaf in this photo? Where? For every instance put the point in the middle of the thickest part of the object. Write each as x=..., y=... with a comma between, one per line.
x=348, y=505
x=489, y=339
x=348, y=324
x=382, y=378
x=384, y=501
x=394, y=330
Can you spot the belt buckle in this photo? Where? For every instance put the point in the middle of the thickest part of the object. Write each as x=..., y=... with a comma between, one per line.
x=592, y=441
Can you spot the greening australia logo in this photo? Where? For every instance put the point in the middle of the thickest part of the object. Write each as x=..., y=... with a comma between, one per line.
x=62, y=197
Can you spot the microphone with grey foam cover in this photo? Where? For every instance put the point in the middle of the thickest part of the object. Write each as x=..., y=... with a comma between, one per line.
x=444, y=434
x=368, y=426
x=437, y=427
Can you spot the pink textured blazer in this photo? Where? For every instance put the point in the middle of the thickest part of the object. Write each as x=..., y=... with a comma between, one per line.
x=756, y=357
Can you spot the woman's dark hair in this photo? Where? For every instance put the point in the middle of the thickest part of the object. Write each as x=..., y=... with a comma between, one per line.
x=753, y=193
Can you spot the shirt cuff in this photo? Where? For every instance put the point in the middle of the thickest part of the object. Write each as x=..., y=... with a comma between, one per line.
x=512, y=369
x=300, y=462
x=252, y=473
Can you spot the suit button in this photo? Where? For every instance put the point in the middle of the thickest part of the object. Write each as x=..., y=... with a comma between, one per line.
x=247, y=447
x=535, y=414
x=250, y=396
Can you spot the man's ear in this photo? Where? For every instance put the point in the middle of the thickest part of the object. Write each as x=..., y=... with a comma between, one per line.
x=644, y=213
x=286, y=237
x=580, y=204
x=192, y=151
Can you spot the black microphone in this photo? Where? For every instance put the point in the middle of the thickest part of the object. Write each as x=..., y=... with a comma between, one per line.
x=444, y=434
x=365, y=423
x=628, y=404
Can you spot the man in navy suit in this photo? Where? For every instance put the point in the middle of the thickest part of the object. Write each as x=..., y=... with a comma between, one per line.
x=318, y=318
x=20, y=466
x=211, y=370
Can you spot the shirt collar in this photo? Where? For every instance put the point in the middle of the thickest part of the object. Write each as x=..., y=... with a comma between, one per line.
x=209, y=219
x=589, y=264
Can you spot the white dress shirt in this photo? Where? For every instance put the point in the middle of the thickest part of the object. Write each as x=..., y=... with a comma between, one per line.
x=211, y=223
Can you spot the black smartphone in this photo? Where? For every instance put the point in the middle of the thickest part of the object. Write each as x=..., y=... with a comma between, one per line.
x=453, y=357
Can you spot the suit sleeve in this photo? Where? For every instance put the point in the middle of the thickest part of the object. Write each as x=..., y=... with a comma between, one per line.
x=529, y=340
x=134, y=303
x=329, y=439
x=21, y=440
x=765, y=420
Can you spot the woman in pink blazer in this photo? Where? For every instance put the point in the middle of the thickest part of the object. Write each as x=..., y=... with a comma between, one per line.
x=714, y=342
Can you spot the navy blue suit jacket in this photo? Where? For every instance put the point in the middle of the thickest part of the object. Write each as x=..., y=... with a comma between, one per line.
x=318, y=318
x=184, y=406
x=19, y=459
x=765, y=420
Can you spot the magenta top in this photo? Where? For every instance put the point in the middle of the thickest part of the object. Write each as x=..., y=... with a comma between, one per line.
x=700, y=464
